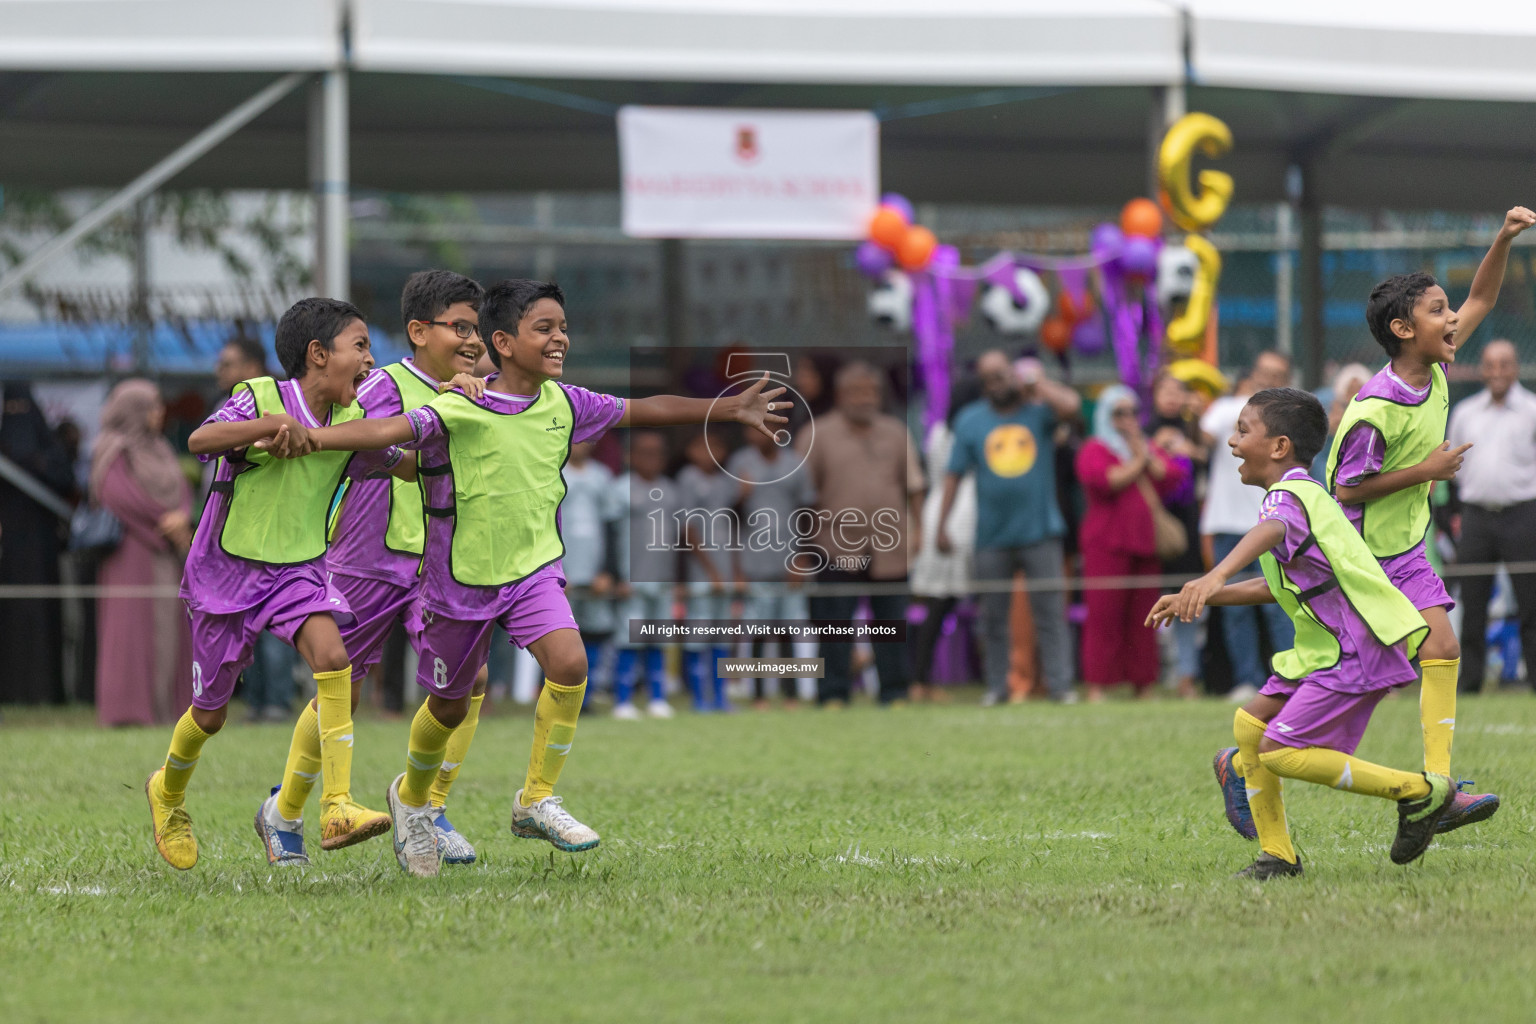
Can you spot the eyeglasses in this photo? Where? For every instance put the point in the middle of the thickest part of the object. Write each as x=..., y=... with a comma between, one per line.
x=463, y=328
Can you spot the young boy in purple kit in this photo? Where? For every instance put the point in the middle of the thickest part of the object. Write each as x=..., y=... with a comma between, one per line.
x=257, y=562
x=1355, y=634
x=490, y=472
x=1389, y=451
x=377, y=534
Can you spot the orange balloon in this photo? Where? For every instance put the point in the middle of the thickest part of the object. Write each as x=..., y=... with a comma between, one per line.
x=1141, y=217
x=1056, y=334
x=916, y=248
x=1071, y=311
x=887, y=228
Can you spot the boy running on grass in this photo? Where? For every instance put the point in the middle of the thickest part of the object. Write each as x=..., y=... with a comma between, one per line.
x=1389, y=451
x=377, y=536
x=258, y=562
x=490, y=472
x=1355, y=634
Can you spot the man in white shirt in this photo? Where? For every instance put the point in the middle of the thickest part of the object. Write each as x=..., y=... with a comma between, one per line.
x=1497, y=485
x=1231, y=510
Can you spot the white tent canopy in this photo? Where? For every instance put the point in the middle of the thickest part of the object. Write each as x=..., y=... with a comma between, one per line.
x=1474, y=49
x=170, y=35
x=1477, y=49
x=962, y=42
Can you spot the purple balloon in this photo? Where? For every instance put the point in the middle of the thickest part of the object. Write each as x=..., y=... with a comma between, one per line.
x=1089, y=337
x=900, y=202
x=944, y=256
x=1138, y=256
x=872, y=260
x=1106, y=241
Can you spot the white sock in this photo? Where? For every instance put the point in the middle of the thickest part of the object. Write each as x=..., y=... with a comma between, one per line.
x=276, y=820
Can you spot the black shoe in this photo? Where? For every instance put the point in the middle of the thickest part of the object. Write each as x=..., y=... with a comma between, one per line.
x=1269, y=866
x=1418, y=819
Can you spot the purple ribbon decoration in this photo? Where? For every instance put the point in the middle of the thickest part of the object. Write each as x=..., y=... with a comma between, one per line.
x=943, y=293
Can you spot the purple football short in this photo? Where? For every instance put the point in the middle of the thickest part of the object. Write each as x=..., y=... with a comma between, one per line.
x=1316, y=716
x=376, y=607
x=223, y=645
x=452, y=651
x=1279, y=687
x=1411, y=573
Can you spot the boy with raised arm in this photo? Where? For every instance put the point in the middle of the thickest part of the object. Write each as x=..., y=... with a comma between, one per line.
x=1389, y=451
x=258, y=562
x=490, y=472
x=1355, y=634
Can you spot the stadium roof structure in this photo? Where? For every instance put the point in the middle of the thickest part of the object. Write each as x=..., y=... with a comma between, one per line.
x=1395, y=104
x=989, y=100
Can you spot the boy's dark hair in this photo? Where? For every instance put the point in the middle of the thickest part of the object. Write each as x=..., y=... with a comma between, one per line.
x=428, y=294
x=1296, y=414
x=313, y=319
x=251, y=350
x=507, y=302
x=1393, y=299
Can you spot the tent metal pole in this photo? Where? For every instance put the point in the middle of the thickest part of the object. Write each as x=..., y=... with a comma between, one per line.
x=1169, y=103
x=1313, y=298
x=1285, y=285
x=151, y=180
x=330, y=180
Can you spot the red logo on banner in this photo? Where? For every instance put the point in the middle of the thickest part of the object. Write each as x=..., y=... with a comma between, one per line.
x=746, y=144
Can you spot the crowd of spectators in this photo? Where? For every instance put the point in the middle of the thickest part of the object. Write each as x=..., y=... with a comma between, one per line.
x=1035, y=525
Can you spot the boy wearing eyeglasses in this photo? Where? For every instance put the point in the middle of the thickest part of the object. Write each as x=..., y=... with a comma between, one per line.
x=490, y=470
x=376, y=540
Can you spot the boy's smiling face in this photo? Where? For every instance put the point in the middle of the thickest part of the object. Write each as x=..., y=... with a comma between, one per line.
x=440, y=351
x=1259, y=453
x=538, y=349
x=345, y=365
x=1431, y=335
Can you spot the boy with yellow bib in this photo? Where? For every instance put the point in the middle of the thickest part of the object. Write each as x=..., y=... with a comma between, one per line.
x=491, y=484
x=258, y=563
x=1355, y=636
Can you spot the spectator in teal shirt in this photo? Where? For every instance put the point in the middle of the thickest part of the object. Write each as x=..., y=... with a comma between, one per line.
x=1006, y=438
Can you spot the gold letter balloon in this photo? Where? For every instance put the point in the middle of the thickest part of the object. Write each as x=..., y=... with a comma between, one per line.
x=1195, y=211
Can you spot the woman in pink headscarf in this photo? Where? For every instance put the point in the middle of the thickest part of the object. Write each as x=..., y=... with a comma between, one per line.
x=144, y=646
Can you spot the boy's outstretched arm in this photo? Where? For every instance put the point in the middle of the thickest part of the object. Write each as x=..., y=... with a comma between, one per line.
x=1212, y=587
x=754, y=408
x=1440, y=464
x=1254, y=591
x=1490, y=275
x=218, y=437
x=358, y=436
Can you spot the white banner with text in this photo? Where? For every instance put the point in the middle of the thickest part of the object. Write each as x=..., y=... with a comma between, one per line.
x=724, y=173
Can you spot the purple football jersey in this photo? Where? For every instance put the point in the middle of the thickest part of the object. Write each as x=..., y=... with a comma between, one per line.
x=593, y=414
x=221, y=584
x=1361, y=454
x=1365, y=663
x=359, y=548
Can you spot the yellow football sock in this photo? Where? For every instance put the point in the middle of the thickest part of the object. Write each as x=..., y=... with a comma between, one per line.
x=180, y=761
x=334, y=698
x=458, y=749
x=554, y=729
x=303, y=766
x=1341, y=771
x=429, y=738
x=1437, y=712
x=1264, y=789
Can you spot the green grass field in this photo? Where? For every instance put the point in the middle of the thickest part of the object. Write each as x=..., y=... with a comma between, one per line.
x=924, y=864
